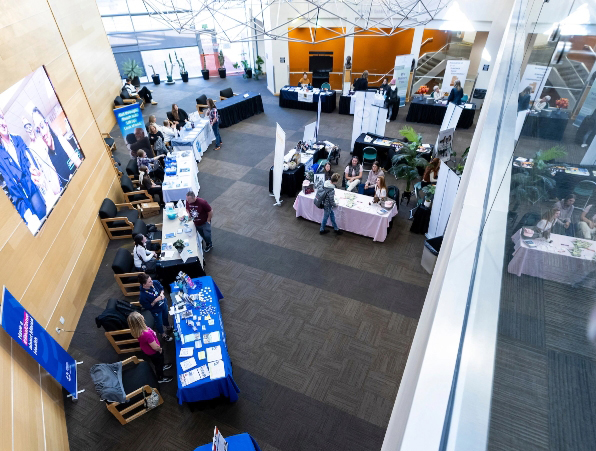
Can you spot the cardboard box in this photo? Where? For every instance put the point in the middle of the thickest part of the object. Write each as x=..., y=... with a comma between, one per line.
x=149, y=209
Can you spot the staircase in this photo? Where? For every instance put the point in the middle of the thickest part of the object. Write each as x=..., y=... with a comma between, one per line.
x=432, y=64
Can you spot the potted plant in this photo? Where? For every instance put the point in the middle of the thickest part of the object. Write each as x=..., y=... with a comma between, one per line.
x=132, y=70
x=236, y=65
x=155, y=76
x=170, y=79
x=406, y=163
x=429, y=194
x=258, y=70
x=247, y=69
x=205, y=71
x=179, y=245
x=182, y=67
x=222, y=61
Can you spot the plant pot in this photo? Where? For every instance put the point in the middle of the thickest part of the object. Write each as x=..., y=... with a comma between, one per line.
x=248, y=73
x=136, y=82
x=222, y=72
x=155, y=78
x=205, y=73
x=179, y=249
x=427, y=203
x=184, y=77
x=170, y=80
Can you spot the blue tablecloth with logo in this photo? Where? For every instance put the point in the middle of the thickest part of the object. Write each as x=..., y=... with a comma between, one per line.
x=240, y=442
x=289, y=99
x=206, y=388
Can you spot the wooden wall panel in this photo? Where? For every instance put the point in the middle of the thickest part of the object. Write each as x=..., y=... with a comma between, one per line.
x=52, y=273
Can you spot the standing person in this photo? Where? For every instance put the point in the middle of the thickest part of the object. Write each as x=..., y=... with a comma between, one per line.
x=304, y=81
x=368, y=188
x=150, y=345
x=329, y=204
x=178, y=116
x=144, y=93
x=201, y=213
x=361, y=84
x=564, y=224
x=523, y=100
x=384, y=87
x=586, y=131
x=149, y=185
x=22, y=181
x=391, y=99
x=213, y=117
x=353, y=174
x=456, y=94
x=64, y=158
x=152, y=298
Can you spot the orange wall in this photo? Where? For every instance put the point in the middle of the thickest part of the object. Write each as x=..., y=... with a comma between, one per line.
x=583, y=56
x=376, y=54
x=440, y=38
x=299, y=53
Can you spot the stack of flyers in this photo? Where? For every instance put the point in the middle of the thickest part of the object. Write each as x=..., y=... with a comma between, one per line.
x=194, y=375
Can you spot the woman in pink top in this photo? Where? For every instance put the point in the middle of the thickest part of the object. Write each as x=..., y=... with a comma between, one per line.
x=149, y=345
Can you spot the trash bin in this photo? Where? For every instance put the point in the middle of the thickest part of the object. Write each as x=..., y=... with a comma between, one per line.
x=430, y=253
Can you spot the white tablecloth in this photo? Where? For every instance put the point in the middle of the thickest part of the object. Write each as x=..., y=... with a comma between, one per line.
x=175, y=187
x=174, y=226
x=196, y=140
x=552, y=261
x=362, y=218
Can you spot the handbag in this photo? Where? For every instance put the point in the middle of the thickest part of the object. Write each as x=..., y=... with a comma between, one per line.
x=159, y=147
x=151, y=401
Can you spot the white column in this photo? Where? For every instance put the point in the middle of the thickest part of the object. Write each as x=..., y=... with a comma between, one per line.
x=277, y=54
x=417, y=42
x=348, y=51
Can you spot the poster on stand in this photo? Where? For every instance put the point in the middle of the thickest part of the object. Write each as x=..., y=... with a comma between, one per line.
x=445, y=144
x=535, y=77
x=39, y=344
x=131, y=123
x=588, y=107
x=401, y=73
x=455, y=70
x=278, y=162
x=445, y=192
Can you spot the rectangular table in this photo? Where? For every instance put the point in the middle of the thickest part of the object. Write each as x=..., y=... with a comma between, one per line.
x=546, y=125
x=175, y=187
x=346, y=106
x=552, y=261
x=206, y=388
x=288, y=98
x=237, y=108
x=362, y=218
x=170, y=266
x=427, y=113
x=384, y=153
x=196, y=140
x=240, y=442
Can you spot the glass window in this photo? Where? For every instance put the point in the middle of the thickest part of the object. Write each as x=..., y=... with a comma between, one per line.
x=117, y=24
x=156, y=58
x=107, y=7
x=148, y=23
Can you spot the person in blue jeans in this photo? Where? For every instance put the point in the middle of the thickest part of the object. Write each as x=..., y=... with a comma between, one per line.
x=152, y=298
x=329, y=203
x=213, y=116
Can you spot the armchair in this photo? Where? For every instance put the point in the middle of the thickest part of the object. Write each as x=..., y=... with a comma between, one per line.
x=133, y=195
x=127, y=99
x=118, y=224
x=202, y=103
x=226, y=94
x=125, y=272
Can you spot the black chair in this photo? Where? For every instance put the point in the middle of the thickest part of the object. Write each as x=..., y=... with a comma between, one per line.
x=132, y=169
x=529, y=219
x=132, y=194
x=226, y=94
x=125, y=273
x=114, y=322
x=118, y=224
x=126, y=98
x=202, y=103
x=153, y=237
x=138, y=381
x=393, y=192
x=118, y=102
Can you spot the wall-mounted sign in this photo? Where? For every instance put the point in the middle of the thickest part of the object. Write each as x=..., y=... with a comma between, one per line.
x=282, y=59
x=485, y=67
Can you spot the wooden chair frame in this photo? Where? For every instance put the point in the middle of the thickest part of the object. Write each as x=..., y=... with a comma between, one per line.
x=116, y=343
x=129, y=226
x=113, y=147
x=199, y=106
x=224, y=98
x=120, y=414
x=136, y=193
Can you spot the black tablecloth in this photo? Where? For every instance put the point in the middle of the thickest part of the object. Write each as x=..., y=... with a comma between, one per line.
x=434, y=114
x=344, y=107
x=566, y=183
x=289, y=99
x=546, y=127
x=421, y=220
x=237, y=108
x=384, y=153
x=167, y=271
x=291, y=180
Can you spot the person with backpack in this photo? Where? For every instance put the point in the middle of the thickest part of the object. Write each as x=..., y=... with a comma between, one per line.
x=326, y=196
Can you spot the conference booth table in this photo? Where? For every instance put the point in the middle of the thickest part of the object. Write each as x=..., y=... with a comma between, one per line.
x=294, y=97
x=355, y=213
x=240, y=107
x=195, y=140
x=347, y=104
x=386, y=148
x=291, y=180
x=433, y=113
x=240, y=442
x=203, y=337
x=176, y=184
x=548, y=124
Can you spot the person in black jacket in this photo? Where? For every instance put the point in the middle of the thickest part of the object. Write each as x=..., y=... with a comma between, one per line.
x=456, y=94
x=361, y=84
x=523, y=100
x=391, y=99
x=328, y=205
x=384, y=87
x=178, y=116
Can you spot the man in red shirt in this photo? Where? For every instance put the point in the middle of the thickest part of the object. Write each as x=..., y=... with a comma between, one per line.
x=201, y=213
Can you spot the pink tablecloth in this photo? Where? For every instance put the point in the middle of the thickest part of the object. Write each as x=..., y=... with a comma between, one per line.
x=552, y=261
x=362, y=218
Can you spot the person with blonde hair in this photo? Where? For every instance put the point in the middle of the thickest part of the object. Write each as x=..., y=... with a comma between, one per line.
x=380, y=189
x=361, y=84
x=149, y=344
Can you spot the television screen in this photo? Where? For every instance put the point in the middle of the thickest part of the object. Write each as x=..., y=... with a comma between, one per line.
x=320, y=63
x=39, y=153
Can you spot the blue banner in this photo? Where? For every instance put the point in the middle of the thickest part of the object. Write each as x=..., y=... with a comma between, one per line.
x=38, y=343
x=129, y=119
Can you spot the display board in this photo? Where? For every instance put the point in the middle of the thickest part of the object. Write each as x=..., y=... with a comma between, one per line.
x=446, y=190
x=455, y=70
x=39, y=344
x=535, y=77
x=368, y=118
x=131, y=123
x=445, y=144
x=401, y=73
x=39, y=153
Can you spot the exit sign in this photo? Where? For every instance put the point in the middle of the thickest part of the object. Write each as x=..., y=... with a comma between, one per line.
x=204, y=26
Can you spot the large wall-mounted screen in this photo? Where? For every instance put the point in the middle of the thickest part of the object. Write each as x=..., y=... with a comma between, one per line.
x=39, y=153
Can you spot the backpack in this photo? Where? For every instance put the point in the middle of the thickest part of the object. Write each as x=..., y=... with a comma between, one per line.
x=320, y=198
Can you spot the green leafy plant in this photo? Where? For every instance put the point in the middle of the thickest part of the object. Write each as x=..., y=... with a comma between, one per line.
x=235, y=65
x=204, y=63
x=245, y=65
x=258, y=71
x=429, y=192
x=181, y=65
x=406, y=163
x=179, y=245
x=221, y=58
x=132, y=69
x=533, y=184
x=411, y=135
x=152, y=68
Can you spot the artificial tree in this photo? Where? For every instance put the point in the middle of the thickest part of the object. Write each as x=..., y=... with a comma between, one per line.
x=205, y=71
x=169, y=77
x=406, y=163
x=155, y=76
x=132, y=70
x=182, y=67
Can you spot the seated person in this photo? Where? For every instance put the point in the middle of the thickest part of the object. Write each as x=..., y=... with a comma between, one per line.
x=431, y=172
x=564, y=224
x=327, y=171
x=145, y=260
x=361, y=84
x=304, y=81
x=152, y=298
x=369, y=187
x=542, y=104
x=144, y=93
x=380, y=189
x=436, y=94
x=152, y=120
x=353, y=174
x=141, y=142
x=178, y=116
x=169, y=131
x=549, y=219
x=154, y=135
x=151, y=163
x=587, y=225
x=149, y=185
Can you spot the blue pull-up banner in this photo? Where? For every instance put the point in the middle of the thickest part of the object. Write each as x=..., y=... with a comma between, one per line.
x=38, y=343
x=130, y=118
